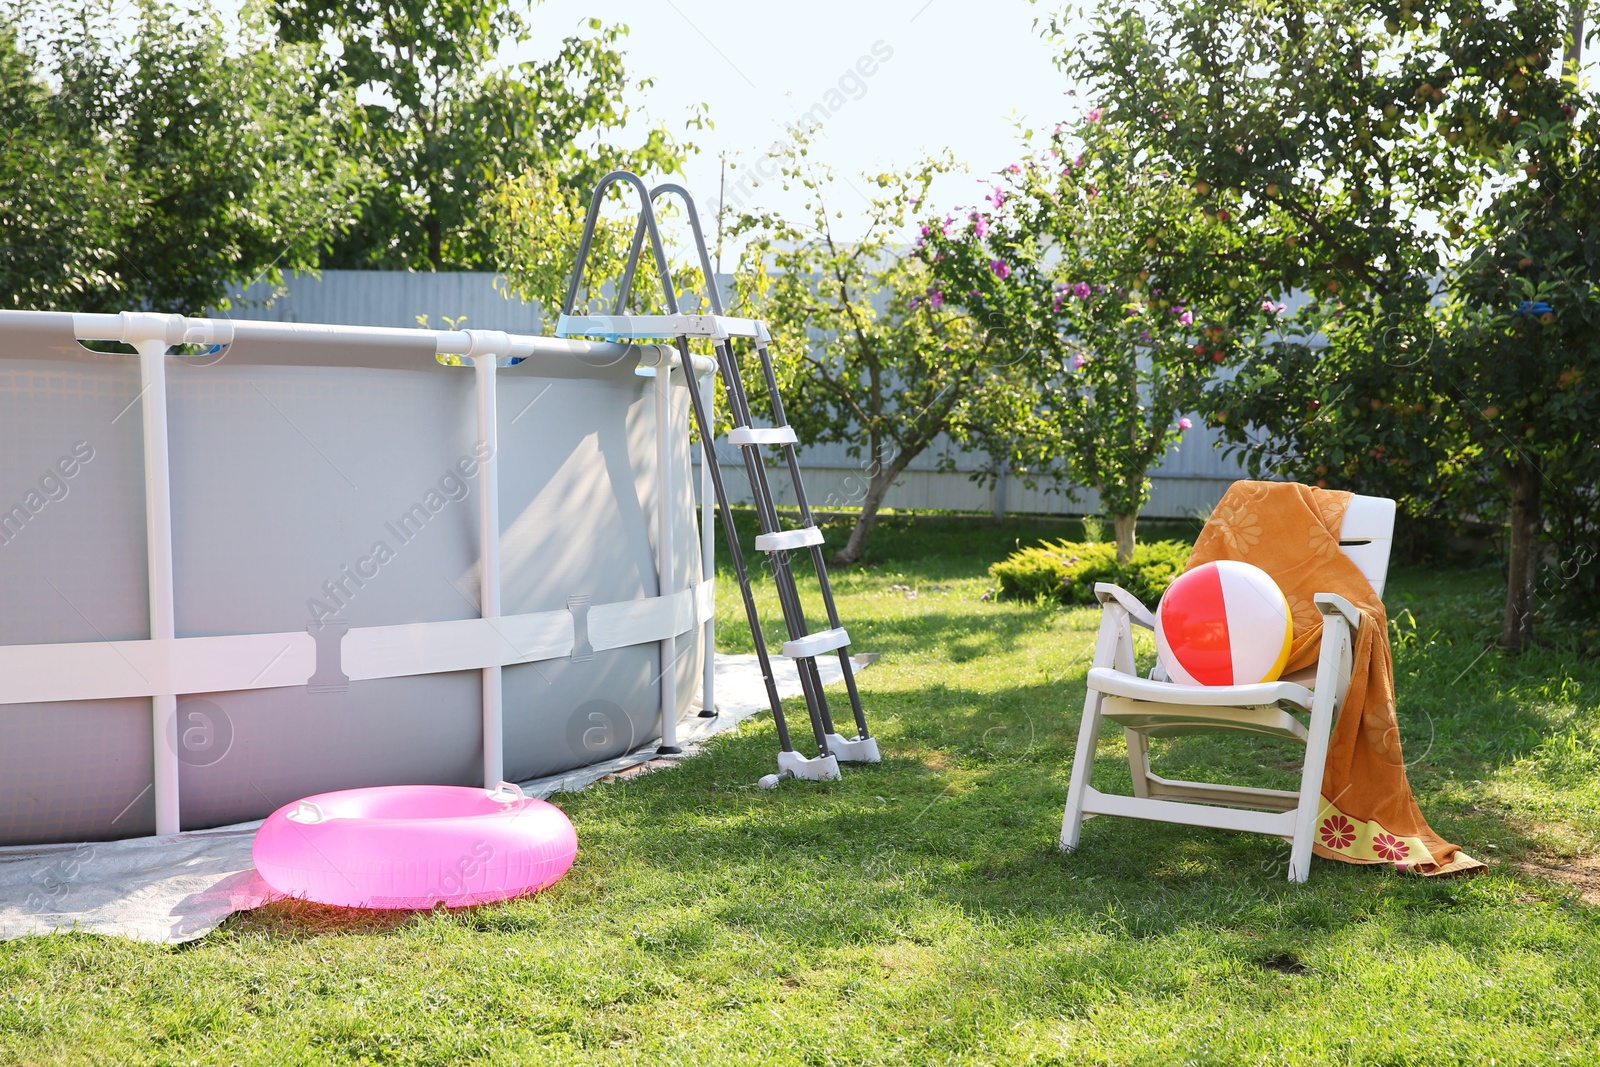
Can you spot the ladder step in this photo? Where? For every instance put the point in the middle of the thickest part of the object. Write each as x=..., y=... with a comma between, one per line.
x=816, y=644
x=763, y=435
x=784, y=540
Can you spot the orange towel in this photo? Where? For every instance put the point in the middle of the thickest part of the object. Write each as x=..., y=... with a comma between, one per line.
x=1368, y=814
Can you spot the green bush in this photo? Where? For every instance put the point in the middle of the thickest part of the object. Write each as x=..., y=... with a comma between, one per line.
x=1067, y=570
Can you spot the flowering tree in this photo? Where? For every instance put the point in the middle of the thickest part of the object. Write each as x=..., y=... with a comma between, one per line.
x=867, y=350
x=1124, y=294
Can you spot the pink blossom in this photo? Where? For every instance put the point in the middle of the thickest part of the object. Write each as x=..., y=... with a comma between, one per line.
x=1055, y=304
x=912, y=303
x=944, y=227
x=980, y=225
x=1187, y=318
x=997, y=197
x=1077, y=361
x=1014, y=169
x=1093, y=115
x=1000, y=268
x=1079, y=161
x=1144, y=335
x=1081, y=290
x=1185, y=423
x=924, y=231
x=936, y=299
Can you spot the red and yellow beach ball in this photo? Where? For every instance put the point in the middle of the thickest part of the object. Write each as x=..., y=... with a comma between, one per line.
x=1223, y=623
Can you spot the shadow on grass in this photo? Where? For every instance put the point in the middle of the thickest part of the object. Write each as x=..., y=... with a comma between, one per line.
x=298, y=920
x=974, y=829
x=963, y=814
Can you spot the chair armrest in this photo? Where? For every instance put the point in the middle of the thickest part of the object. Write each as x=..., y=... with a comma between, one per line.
x=1105, y=592
x=1334, y=604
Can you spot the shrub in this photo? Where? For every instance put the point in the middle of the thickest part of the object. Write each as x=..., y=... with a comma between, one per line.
x=1067, y=570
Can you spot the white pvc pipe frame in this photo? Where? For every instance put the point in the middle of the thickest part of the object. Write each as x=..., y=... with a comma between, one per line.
x=152, y=335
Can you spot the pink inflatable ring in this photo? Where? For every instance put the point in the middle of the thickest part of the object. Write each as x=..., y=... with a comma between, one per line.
x=414, y=846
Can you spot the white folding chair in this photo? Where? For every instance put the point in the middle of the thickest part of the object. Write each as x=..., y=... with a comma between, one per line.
x=1153, y=707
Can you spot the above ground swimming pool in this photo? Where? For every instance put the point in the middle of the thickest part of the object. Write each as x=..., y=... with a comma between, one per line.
x=248, y=561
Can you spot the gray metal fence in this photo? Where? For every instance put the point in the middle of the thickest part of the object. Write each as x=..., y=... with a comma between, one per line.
x=1188, y=482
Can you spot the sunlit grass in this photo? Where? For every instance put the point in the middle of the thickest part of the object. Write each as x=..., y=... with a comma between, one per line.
x=918, y=911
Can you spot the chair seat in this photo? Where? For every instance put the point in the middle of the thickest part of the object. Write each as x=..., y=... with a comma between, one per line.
x=1167, y=709
x=1263, y=694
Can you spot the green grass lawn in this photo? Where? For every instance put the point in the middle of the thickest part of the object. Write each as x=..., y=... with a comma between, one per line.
x=918, y=911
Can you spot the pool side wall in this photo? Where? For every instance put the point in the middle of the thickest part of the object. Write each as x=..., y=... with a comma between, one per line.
x=314, y=480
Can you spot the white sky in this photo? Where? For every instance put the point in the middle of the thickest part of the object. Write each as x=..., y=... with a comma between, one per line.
x=960, y=74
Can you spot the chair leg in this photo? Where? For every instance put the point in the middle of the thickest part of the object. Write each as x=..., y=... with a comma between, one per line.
x=1082, y=770
x=1138, y=762
x=1317, y=736
x=1300, y=849
x=1310, y=809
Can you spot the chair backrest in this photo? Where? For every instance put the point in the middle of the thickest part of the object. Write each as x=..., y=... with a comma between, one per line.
x=1366, y=535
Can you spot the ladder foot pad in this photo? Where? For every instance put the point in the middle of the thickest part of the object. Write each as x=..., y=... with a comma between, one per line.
x=854, y=749
x=816, y=644
x=784, y=540
x=794, y=765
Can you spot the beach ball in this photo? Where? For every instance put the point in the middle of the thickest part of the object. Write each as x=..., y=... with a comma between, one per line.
x=1223, y=623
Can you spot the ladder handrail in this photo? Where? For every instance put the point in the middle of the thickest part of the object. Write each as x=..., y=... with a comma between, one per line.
x=636, y=247
x=713, y=295
x=647, y=222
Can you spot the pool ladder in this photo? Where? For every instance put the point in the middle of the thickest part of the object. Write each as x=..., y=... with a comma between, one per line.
x=804, y=645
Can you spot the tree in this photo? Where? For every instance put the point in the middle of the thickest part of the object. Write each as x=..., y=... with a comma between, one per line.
x=1352, y=135
x=447, y=127
x=1366, y=139
x=1489, y=403
x=62, y=205
x=1108, y=275
x=867, y=352
x=153, y=177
